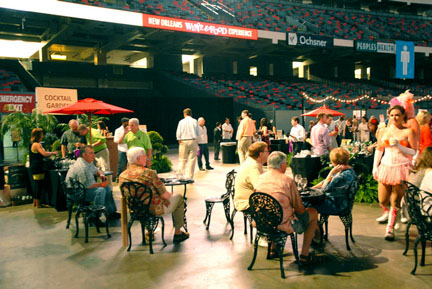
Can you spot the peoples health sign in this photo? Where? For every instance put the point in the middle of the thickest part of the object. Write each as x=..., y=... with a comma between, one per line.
x=190, y=26
x=373, y=46
x=300, y=39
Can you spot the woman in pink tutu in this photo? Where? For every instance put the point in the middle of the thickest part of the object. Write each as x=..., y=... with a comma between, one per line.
x=399, y=145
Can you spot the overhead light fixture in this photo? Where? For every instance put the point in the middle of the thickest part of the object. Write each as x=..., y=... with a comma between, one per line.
x=141, y=63
x=76, y=10
x=18, y=48
x=58, y=56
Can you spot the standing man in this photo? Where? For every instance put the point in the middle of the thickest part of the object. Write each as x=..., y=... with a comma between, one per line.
x=247, y=177
x=187, y=135
x=203, y=145
x=71, y=139
x=134, y=137
x=227, y=131
x=340, y=124
x=355, y=124
x=217, y=138
x=331, y=125
x=297, y=135
x=122, y=148
x=245, y=133
x=320, y=136
x=98, y=144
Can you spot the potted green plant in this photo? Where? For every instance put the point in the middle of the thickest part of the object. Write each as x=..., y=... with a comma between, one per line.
x=26, y=122
x=160, y=161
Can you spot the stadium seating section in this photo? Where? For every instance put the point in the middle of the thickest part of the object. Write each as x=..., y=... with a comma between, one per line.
x=287, y=93
x=9, y=81
x=265, y=15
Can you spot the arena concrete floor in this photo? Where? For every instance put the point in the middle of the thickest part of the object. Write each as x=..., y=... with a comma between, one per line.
x=38, y=252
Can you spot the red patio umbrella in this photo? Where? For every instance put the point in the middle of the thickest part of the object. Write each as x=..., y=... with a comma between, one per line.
x=323, y=109
x=90, y=106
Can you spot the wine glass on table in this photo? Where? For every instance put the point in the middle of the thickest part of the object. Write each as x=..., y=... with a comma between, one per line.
x=303, y=183
x=297, y=179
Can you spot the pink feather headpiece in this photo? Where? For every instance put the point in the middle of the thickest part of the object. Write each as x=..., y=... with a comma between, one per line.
x=406, y=101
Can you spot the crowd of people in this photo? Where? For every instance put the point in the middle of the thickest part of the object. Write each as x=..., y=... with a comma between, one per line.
x=402, y=148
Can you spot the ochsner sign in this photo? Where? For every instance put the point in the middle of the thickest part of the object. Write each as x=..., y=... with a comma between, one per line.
x=309, y=40
x=54, y=98
x=184, y=25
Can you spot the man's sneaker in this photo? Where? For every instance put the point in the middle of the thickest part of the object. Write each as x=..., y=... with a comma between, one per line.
x=210, y=168
x=263, y=242
x=114, y=216
x=201, y=169
x=383, y=218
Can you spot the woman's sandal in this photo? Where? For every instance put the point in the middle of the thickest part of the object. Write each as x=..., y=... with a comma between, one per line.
x=308, y=260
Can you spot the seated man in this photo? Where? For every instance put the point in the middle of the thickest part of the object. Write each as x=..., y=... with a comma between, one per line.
x=275, y=183
x=247, y=177
x=172, y=204
x=84, y=171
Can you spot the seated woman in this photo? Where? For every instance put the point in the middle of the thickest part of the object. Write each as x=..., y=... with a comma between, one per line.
x=426, y=184
x=336, y=185
x=423, y=164
x=421, y=177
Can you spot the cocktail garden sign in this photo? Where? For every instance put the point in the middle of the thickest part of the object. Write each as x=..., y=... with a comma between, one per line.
x=49, y=98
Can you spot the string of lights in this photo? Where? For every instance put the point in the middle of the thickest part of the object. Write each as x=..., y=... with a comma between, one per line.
x=365, y=96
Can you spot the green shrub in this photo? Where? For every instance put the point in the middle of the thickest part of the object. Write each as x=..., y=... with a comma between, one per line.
x=160, y=161
x=367, y=191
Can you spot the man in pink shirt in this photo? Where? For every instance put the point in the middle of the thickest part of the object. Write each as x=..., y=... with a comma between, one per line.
x=275, y=183
x=320, y=136
x=245, y=132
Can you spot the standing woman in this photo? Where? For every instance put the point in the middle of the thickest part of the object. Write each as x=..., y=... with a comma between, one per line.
x=348, y=130
x=398, y=143
x=423, y=119
x=37, y=153
x=363, y=129
x=103, y=129
x=373, y=127
x=265, y=131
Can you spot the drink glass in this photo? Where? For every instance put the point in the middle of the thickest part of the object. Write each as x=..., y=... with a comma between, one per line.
x=297, y=178
x=303, y=183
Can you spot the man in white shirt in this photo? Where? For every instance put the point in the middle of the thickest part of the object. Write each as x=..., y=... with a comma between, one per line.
x=227, y=131
x=121, y=147
x=339, y=124
x=297, y=135
x=320, y=136
x=187, y=135
x=203, y=145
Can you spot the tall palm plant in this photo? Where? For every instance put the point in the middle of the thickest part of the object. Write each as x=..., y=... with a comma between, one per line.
x=26, y=122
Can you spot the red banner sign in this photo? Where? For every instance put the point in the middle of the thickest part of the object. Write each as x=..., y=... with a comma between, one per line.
x=12, y=102
x=184, y=25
